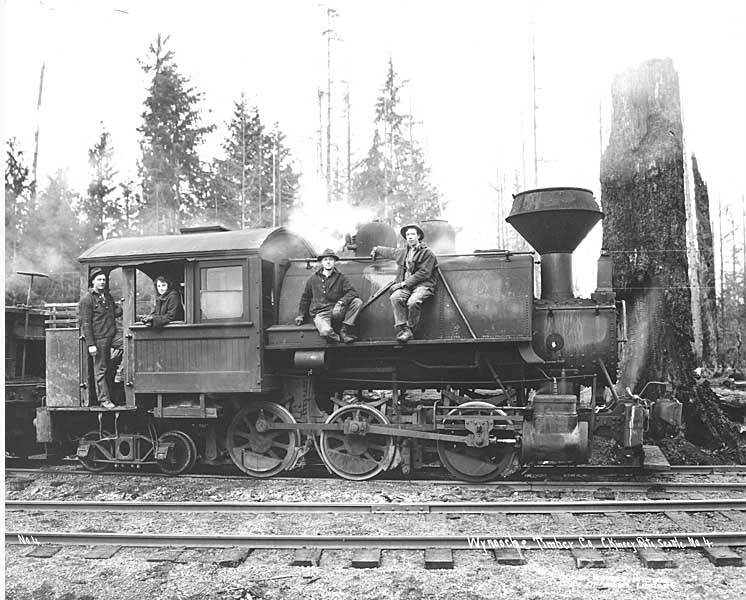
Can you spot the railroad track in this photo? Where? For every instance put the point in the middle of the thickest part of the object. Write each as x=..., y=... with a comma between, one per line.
x=508, y=507
x=657, y=485
x=718, y=546
x=536, y=471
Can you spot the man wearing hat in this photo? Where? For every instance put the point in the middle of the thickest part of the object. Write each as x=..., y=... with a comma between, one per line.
x=97, y=313
x=415, y=279
x=330, y=297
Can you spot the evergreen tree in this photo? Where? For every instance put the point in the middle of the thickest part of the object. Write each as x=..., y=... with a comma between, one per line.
x=255, y=184
x=54, y=238
x=99, y=208
x=130, y=205
x=171, y=133
x=393, y=178
x=18, y=191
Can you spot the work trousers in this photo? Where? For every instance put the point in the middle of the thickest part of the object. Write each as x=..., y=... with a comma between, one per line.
x=101, y=366
x=325, y=320
x=407, y=305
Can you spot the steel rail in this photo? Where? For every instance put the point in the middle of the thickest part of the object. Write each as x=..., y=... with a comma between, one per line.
x=512, y=486
x=507, y=507
x=542, y=470
x=485, y=541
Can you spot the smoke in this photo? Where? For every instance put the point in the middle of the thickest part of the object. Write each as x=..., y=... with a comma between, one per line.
x=324, y=224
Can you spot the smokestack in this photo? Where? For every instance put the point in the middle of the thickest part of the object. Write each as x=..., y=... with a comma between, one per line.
x=554, y=221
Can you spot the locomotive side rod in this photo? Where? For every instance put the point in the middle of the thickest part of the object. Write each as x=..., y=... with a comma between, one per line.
x=383, y=430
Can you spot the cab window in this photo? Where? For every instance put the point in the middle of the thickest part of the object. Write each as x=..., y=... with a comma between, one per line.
x=221, y=292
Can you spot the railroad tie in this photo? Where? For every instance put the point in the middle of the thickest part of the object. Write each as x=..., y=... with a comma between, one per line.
x=366, y=558
x=232, y=557
x=589, y=558
x=653, y=558
x=438, y=558
x=167, y=555
x=509, y=556
x=584, y=557
x=723, y=556
x=306, y=557
x=43, y=551
x=102, y=552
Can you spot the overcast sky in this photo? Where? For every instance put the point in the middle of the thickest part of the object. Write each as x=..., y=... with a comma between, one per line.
x=468, y=64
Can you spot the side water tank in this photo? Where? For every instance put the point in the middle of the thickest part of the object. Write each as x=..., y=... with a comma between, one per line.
x=372, y=234
x=440, y=236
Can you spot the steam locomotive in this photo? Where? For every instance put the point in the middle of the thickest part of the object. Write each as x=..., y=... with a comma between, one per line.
x=495, y=378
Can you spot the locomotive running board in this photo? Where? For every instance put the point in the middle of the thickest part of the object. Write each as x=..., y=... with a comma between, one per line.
x=527, y=353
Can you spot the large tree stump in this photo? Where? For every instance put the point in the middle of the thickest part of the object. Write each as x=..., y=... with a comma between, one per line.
x=642, y=196
x=705, y=270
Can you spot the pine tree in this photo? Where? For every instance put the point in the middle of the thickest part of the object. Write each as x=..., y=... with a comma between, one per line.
x=393, y=178
x=18, y=190
x=171, y=133
x=54, y=238
x=255, y=184
x=99, y=208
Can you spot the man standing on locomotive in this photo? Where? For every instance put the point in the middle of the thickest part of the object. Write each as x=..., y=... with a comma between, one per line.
x=330, y=297
x=97, y=312
x=415, y=279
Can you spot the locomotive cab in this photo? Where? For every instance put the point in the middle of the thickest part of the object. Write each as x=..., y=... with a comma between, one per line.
x=183, y=375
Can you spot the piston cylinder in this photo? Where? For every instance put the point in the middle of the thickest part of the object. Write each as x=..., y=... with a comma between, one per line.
x=554, y=432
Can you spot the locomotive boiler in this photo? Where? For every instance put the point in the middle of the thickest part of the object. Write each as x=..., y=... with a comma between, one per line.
x=495, y=378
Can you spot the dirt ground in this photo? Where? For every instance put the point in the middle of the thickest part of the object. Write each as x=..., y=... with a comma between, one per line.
x=268, y=574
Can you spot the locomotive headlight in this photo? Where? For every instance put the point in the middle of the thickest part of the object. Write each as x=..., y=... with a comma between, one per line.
x=555, y=342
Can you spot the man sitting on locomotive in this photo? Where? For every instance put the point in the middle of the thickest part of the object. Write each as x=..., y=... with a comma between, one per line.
x=97, y=313
x=329, y=297
x=167, y=304
x=415, y=279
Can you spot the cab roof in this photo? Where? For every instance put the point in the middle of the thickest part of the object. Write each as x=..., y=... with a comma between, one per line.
x=271, y=243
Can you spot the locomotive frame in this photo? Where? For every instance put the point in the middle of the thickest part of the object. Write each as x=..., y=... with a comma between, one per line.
x=501, y=371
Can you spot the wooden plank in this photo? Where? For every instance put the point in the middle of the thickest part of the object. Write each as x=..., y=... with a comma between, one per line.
x=44, y=551
x=232, y=557
x=565, y=520
x=658, y=492
x=655, y=559
x=306, y=557
x=166, y=555
x=723, y=556
x=654, y=459
x=685, y=521
x=509, y=556
x=589, y=558
x=102, y=552
x=734, y=516
x=604, y=493
x=438, y=558
x=366, y=558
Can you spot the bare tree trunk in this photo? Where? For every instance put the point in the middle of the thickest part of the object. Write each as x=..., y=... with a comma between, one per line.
x=705, y=270
x=642, y=196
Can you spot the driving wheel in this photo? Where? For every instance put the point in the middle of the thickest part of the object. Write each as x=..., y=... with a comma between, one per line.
x=352, y=452
x=255, y=447
x=477, y=464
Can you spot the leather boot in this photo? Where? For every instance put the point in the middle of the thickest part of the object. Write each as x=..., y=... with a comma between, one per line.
x=404, y=335
x=347, y=335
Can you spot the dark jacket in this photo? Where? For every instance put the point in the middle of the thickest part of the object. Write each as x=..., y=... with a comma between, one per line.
x=167, y=308
x=421, y=267
x=97, y=314
x=322, y=293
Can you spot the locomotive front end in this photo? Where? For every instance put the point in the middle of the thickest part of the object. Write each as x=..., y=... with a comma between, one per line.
x=576, y=337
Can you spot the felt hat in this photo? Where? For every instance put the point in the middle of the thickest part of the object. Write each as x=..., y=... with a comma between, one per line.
x=327, y=252
x=420, y=233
